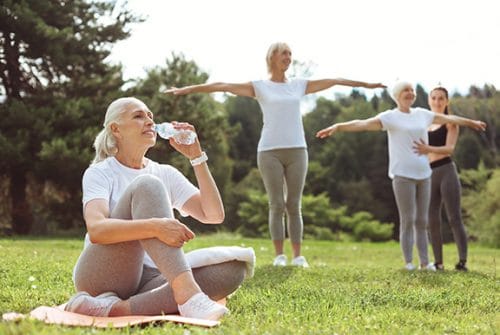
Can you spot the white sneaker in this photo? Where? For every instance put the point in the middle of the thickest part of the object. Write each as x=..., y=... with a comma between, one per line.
x=84, y=303
x=280, y=260
x=428, y=267
x=300, y=261
x=200, y=306
x=410, y=267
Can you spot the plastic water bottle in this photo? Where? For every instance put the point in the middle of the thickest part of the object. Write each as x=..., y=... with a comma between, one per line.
x=166, y=130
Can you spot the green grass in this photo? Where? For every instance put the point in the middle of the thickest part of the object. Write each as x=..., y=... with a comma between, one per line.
x=351, y=288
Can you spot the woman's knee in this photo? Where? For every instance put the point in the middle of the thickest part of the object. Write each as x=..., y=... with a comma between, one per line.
x=148, y=185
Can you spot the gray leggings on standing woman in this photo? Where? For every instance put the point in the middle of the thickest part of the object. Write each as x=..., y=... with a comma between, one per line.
x=445, y=192
x=412, y=199
x=284, y=174
x=119, y=267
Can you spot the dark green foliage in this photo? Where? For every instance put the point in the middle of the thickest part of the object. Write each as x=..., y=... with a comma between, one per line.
x=56, y=85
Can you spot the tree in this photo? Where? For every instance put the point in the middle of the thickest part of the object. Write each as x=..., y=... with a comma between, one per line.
x=201, y=110
x=244, y=114
x=52, y=73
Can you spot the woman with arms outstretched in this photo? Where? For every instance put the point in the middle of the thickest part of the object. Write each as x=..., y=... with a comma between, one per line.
x=282, y=151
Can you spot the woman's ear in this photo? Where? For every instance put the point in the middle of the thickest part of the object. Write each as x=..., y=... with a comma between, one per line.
x=115, y=130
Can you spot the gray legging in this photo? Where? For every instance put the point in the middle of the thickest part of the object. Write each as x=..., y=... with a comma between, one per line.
x=284, y=172
x=412, y=199
x=445, y=191
x=119, y=267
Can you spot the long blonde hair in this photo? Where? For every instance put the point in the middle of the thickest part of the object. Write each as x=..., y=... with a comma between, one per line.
x=275, y=47
x=105, y=143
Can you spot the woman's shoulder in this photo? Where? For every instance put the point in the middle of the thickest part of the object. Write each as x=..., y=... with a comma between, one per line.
x=102, y=168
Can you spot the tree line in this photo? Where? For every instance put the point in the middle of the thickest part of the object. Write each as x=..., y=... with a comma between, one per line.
x=56, y=86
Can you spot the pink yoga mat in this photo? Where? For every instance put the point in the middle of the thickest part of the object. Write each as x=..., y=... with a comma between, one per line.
x=57, y=315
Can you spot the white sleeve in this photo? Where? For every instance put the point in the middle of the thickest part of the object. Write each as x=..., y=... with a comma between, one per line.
x=428, y=116
x=95, y=185
x=302, y=86
x=257, y=87
x=178, y=186
x=385, y=119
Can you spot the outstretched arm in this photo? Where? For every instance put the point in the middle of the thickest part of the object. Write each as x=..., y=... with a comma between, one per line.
x=243, y=89
x=460, y=121
x=314, y=86
x=370, y=124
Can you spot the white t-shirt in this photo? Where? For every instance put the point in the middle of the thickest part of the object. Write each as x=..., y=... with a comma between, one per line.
x=282, y=120
x=403, y=129
x=108, y=180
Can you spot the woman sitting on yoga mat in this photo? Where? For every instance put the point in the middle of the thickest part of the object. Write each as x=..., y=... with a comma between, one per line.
x=133, y=262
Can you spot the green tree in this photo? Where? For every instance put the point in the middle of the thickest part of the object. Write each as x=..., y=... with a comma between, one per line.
x=201, y=110
x=52, y=71
x=245, y=116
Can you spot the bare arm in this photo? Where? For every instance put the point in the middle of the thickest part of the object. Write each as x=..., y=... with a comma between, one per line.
x=104, y=230
x=460, y=121
x=314, y=86
x=243, y=89
x=206, y=206
x=370, y=124
x=445, y=150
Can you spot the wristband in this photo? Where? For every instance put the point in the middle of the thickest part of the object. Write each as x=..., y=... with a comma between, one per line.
x=199, y=160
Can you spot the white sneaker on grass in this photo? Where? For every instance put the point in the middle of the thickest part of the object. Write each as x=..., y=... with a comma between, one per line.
x=300, y=261
x=200, y=306
x=410, y=267
x=428, y=267
x=280, y=260
x=84, y=303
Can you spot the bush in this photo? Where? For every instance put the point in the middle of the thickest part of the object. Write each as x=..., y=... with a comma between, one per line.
x=373, y=231
x=482, y=209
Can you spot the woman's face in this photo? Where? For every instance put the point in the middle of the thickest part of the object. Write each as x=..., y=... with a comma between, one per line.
x=407, y=96
x=438, y=101
x=136, y=126
x=282, y=59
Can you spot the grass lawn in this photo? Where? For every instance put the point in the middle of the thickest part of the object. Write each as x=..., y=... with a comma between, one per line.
x=351, y=288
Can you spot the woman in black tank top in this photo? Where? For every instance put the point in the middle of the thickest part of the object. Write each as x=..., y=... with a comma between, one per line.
x=445, y=189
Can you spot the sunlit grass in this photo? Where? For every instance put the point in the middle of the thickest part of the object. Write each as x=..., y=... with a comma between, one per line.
x=350, y=288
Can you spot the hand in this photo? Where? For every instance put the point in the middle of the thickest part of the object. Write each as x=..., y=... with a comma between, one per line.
x=420, y=148
x=376, y=85
x=190, y=151
x=178, y=91
x=173, y=233
x=326, y=131
x=478, y=125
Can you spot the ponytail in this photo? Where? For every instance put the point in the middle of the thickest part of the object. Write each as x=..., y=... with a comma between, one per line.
x=105, y=145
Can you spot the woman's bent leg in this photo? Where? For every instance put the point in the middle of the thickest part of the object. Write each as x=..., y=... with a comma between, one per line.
x=156, y=297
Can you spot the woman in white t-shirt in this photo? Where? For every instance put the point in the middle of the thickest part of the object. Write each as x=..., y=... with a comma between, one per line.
x=282, y=151
x=133, y=262
x=409, y=170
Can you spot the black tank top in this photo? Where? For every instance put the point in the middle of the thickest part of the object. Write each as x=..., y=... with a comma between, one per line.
x=438, y=137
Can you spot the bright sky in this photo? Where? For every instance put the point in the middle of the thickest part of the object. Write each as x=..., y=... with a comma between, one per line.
x=453, y=42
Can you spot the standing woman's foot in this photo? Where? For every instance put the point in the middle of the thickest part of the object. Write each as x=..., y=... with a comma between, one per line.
x=461, y=266
x=280, y=260
x=439, y=266
x=300, y=261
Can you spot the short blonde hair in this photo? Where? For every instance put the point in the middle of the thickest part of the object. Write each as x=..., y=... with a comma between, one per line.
x=105, y=143
x=275, y=47
x=398, y=88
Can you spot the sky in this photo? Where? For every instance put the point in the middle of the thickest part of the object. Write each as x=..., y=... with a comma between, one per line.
x=454, y=43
